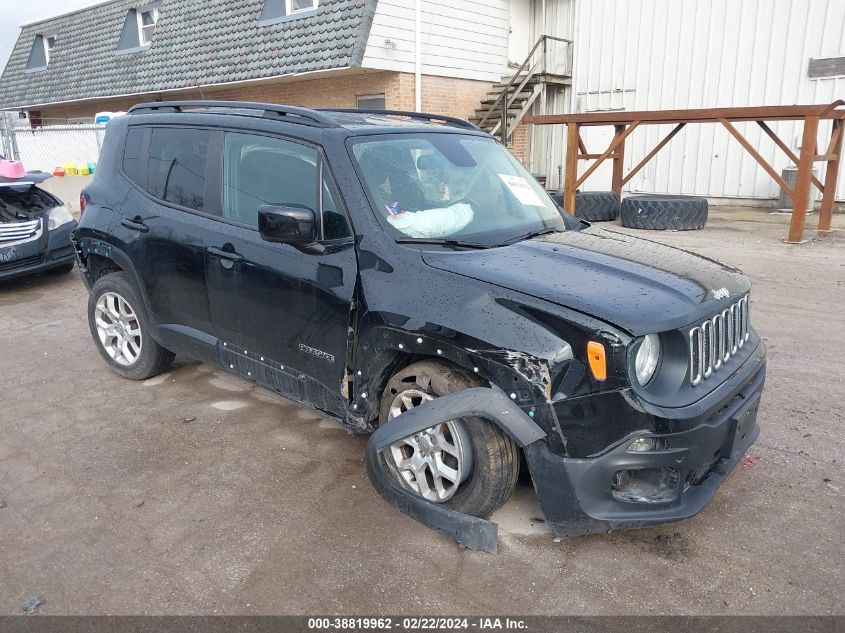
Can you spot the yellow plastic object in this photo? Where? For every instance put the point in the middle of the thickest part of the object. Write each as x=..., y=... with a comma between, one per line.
x=70, y=168
x=83, y=170
x=597, y=360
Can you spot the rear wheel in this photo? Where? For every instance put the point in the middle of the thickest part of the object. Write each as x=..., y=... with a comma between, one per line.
x=468, y=464
x=121, y=331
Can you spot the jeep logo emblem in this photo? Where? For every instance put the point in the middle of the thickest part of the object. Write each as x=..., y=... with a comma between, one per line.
x=721, y=293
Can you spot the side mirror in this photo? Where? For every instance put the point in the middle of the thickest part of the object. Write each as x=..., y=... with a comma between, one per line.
x=296, y=226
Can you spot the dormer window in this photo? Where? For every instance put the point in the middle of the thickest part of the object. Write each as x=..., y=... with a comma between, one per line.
x=276, y=11
x=147, y=18
x=39, y=55
x=49, y=45
x=297, y=6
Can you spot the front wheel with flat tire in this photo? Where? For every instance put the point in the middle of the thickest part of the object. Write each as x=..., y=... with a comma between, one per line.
x=121, y=331
x=468, y=464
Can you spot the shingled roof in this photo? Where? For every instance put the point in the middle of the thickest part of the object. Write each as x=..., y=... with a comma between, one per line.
x=195, y=43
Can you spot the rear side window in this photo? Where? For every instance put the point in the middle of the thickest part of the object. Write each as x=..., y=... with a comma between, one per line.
x=176, y=166
x=132, y=155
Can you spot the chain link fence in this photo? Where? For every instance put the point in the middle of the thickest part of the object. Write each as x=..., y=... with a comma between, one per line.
x=45, y=148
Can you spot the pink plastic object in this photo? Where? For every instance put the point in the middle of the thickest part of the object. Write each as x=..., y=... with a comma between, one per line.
x=11, y=169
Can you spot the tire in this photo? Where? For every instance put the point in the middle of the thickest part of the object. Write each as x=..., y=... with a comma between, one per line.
x=597, y=206
x=494, y=455
x=664, y=213
x=151, y=358
x=61, y=270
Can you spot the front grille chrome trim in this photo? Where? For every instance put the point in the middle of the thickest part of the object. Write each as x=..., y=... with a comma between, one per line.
x=715, y=341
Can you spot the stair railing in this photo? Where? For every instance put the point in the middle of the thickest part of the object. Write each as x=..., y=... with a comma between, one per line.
x=507, y=98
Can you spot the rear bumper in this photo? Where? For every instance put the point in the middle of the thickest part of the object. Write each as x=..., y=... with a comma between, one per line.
x=52, y=251
x=578, y=495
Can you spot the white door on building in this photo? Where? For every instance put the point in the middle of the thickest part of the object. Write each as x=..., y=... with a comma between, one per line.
x=519, y=41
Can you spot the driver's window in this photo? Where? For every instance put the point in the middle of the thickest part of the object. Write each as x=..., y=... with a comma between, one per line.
x=261, y=170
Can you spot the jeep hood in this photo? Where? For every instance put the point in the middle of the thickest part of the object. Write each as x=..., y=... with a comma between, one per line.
x=633, y=283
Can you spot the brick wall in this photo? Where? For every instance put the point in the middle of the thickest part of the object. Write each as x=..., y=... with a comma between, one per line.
x=441, y=95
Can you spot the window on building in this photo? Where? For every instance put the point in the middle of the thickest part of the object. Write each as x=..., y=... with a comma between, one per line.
x=147, y=19
x=371, y=102
x=49, y=45
x=176, y=166
x=275, y=11
x=39, y=54
x=260, y=170
x=296, y=6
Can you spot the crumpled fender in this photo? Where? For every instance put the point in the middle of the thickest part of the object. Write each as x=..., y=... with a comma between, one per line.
x=469, y=531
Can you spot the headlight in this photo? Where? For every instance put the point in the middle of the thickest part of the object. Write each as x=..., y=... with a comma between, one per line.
x=647, y=358
x=58, y=216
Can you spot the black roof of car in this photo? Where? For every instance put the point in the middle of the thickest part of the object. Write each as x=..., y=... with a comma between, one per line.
x=353, y=120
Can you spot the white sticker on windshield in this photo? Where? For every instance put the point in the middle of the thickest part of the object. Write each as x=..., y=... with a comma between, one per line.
x=522, y=190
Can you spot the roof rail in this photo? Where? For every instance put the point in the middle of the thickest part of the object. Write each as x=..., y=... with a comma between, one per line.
x=297, y=115
x=449, y=120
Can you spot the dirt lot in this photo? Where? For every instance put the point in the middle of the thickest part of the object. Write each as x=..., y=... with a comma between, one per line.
x=195, y=492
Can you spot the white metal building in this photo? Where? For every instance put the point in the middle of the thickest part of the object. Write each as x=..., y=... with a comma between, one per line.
x=669, y=54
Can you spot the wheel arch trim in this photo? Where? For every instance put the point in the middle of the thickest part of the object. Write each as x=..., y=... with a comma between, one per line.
x=488, y=403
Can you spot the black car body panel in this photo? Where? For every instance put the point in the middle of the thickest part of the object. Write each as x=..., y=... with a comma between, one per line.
x=328, y=326
x=28, y=244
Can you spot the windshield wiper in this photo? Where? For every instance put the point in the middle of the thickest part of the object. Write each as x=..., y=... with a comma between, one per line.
x=528, y=236
x=440, y=241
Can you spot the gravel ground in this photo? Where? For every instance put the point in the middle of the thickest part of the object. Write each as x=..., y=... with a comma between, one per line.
x=195, y=492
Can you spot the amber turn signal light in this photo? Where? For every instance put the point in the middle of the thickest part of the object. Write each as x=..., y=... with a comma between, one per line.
x=597, y=360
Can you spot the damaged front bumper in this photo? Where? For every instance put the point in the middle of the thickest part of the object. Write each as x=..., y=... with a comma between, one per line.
x=615, y=490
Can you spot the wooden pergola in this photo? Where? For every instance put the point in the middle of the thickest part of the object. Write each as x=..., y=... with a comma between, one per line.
x=626, y=122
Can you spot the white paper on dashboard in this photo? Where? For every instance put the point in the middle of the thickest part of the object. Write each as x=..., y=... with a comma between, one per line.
x=521, y=190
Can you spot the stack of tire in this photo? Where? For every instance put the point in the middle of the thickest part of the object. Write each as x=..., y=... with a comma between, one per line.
x=664, y=213
x=594, y=206
x=646, y=211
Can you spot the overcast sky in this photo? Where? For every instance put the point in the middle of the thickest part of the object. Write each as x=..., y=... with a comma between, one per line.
x=17, y=12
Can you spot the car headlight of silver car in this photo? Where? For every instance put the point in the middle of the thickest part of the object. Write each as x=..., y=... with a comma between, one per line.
x=58, y=216
x=648, y=356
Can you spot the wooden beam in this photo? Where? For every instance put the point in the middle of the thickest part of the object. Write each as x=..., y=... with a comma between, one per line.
x=618, y=159
x=618, y=139
x=653, y=153
x=570, y=172
x=771, y=133
x=802, y=180
x=756, y=155
x=581, y=146
x=712, y=115
x=830, y=176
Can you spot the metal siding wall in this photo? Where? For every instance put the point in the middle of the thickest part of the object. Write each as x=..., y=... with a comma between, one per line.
x=664, y=54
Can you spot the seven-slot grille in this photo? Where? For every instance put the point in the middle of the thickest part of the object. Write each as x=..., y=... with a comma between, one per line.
x=712, y=343
x=19, y=231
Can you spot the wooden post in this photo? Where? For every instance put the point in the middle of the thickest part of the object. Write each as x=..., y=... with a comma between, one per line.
x=831, y=174
x=570, y=172
x=802, y=180
x=618, y=160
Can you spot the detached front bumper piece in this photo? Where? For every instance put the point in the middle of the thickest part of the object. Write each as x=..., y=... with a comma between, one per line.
x=582, y=496
x=469, y=531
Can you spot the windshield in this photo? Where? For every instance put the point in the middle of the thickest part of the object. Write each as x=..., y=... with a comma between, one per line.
x=452, y=186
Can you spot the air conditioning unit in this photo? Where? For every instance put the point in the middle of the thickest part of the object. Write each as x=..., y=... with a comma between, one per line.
x=790, y=175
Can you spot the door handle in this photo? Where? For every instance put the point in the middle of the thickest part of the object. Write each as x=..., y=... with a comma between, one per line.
x=223, y=254
x=135, y=225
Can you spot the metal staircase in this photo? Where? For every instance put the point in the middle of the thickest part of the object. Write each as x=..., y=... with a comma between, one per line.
x=548, y=63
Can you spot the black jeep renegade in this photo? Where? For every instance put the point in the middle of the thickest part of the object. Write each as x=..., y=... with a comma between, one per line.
x=365, y=263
